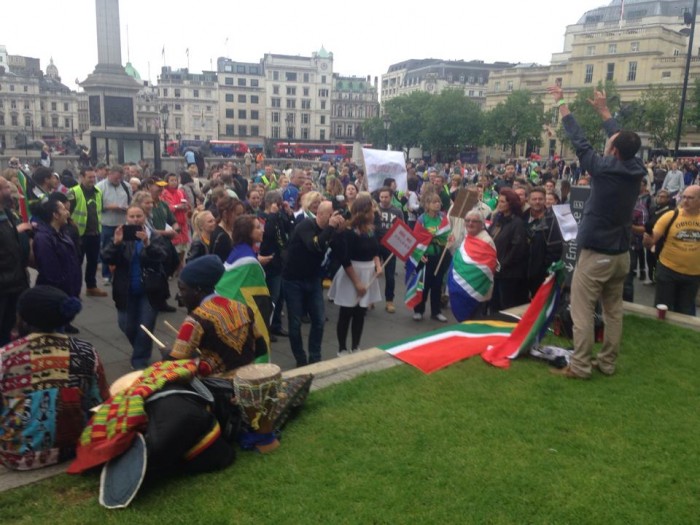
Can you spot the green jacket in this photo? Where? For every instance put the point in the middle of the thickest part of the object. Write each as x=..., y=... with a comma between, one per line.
x=79, y=212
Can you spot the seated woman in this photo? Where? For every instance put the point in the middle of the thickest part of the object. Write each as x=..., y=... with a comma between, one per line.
x=48, y=385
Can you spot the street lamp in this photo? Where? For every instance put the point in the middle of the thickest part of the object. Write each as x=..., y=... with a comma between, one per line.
x=387, y=125
x=164, y=114
x=693, y=15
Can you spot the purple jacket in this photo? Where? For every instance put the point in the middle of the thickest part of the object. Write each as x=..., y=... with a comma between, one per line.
x=57, y=260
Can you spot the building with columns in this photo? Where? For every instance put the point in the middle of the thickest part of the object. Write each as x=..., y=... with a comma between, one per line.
x=353, y=100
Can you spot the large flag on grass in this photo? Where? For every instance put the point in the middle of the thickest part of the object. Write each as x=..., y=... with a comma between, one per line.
x=435, y=350
x=244, y=281
x=534, y=323
x=470, y=279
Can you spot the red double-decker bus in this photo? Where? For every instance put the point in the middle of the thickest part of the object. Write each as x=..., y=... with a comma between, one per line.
x=313, y=150
x=228, y=148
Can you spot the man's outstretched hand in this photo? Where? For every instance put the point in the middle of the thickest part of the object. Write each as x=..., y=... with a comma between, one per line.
x=600, y=104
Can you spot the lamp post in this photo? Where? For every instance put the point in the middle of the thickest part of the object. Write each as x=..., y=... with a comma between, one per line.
x=693, y=15
x=164, y=114
x=288, y=120
x=387, y=125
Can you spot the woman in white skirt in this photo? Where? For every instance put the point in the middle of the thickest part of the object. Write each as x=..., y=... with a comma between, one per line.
x=355, y=286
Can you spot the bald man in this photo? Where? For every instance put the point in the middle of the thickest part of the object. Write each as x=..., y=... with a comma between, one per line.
x=301, y=279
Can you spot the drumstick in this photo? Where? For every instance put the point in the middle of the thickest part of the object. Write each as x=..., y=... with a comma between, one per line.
x=153, y=337
x=166, y=323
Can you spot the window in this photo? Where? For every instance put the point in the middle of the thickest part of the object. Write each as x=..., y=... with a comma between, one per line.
x=14, y=120
x=178, y=107
x=322, y=92
x=322, y=134
x=2, y=122
x=471, y=92
x=632, y=72
x=242, y=114
x=254, y=131
x=242, y=82
x=275, y=132
x=240, y=68
x=54, y=122
x=25, y=88
x=275, y=116
x=43, y=121
x=276, y=102
x=665, y=74
x=195, y=93
x=242, y=98
x=66, y=122
x=305, y=118
x=291, y=91
x=254, y=99
x=590, y=51
x=177, y=93
x=305, y=133
x=339, y=130
x=634, y=47
x=242, y=131
x=254, y=114
x=28, y=121
x=229, y=113
x=254, y=82
x=291, y=103
x=306, y=77
x=275, y=90
x=323, y=119
x=509, y=86
x=229, y=130
x=611, y=71
x=229, y=97
x=65, y=106
x=289, y=118
x=497, y=86
x=612, y=49
x=305, y=104
x=350, y=133
x=589, y=74
x=275, y=75
x=26, y=104
x=290, y=77
x=12, y=88
x=228, y=81
x=323, y=79
x=53, y=106
x=306, y=92
x=323, y=104
x=178, y=122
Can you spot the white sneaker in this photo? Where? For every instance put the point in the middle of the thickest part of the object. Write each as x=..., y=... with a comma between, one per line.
x=343, y=353
x=440, y=317
x=648, y=281
x=106, y=281
x=417, y=317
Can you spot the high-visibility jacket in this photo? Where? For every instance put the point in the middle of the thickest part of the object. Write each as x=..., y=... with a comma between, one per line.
x=79, y=212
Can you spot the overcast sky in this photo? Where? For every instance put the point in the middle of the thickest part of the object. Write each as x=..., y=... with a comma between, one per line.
x=364, y=36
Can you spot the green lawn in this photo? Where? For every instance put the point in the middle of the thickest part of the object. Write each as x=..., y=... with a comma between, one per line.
x=468, y=444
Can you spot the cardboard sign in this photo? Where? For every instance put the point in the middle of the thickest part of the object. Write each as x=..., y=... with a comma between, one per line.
x=400, y=240
x=465, y=201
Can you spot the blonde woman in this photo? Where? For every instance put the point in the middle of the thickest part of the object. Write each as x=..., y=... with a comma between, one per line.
x=204, y=225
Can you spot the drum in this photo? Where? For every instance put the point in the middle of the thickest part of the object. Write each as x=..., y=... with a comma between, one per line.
x=257, y=392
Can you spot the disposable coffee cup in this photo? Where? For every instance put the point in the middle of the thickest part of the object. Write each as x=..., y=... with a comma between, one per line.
x=661, y=310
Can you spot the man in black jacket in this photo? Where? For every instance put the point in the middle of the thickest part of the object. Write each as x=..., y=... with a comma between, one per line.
x=603, y=236
x=301, y=279
x=13, y=274
x=544, y=239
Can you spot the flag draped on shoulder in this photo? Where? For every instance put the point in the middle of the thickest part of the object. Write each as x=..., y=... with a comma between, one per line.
x=435, y=350
x=415, y=269
x=244, y=281
x=470, y=279
x=533, y=325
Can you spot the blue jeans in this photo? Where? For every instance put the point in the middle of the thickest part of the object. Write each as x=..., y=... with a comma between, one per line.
x=106, y=236
x=301, y=297
x=138, y=312
x=274, y=284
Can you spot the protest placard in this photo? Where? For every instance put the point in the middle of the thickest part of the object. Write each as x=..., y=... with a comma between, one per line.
x=400, y=240
x=380, y=165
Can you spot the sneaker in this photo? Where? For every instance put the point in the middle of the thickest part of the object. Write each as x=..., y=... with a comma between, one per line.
x=95, y=292
x=106, y=281
x=648, y=281
x=417, y=317
x=354, y=350
x=440, y=317
x=390, y=307
x=342, y=353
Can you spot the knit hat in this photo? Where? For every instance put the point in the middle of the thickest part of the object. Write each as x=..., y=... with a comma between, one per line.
x=203, y=272
x=47, y=308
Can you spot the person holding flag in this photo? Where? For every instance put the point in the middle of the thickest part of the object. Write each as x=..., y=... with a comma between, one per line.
x=429, y=261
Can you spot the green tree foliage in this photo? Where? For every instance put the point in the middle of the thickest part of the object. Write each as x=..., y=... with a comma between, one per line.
x=588, y=118
x=408, y=118
x=659, y=114
x=692, y=109
x=373, y=132
x=517, y=120
x=451, y=122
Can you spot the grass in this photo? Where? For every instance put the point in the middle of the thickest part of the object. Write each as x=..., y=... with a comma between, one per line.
x=468, y=444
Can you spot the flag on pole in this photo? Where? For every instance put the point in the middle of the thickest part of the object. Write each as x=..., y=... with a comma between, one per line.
x=415, y=269
x=470, y=279
x=187, y=52
x=244, y=281
x=415, y=283
x=163, y=53
x=440, y=348
x=533, y=325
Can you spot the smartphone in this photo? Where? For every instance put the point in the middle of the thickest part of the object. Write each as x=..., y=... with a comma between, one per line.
x=129, y=231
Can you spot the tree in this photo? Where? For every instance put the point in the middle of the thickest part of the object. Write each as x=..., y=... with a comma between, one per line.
x=407, y=116
x=692, y=111
x=519, y=119
x=373, y=131
x=452, y=121
x=588, y=118
x=659, y=106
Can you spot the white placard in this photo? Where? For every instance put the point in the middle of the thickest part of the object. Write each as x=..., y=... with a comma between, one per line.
x=566, y=221
x=381, y=164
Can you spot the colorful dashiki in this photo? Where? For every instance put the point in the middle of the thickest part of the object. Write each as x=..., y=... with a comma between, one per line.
x=222, y=330
x=48, y=384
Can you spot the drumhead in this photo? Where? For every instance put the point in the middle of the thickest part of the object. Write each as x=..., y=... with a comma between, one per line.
x=258, y=372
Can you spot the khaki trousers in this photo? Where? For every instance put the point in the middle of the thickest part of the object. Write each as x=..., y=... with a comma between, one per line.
x=597, y=276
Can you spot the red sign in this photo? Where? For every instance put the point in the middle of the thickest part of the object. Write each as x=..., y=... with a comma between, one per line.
x=400, y=240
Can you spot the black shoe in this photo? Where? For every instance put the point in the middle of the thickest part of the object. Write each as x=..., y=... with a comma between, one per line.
x=165, y=307
x=70, y=329
x=281, y=332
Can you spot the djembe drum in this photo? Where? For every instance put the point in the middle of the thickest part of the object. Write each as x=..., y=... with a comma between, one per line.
x=257, y=392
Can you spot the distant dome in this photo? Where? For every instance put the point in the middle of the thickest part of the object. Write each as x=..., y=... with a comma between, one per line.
x=635, y=10
x=323, y=53
x=131, y=71
x=52, y=70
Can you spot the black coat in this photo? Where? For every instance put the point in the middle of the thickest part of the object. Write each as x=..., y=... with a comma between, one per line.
x=13, y=274
x=510, y=237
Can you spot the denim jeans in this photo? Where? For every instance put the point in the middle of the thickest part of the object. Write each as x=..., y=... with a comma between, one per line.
x=301, y=297
x=138, y=312
x=389, y=273
x=91, y=251
x=274, y=284
x=106, y=236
